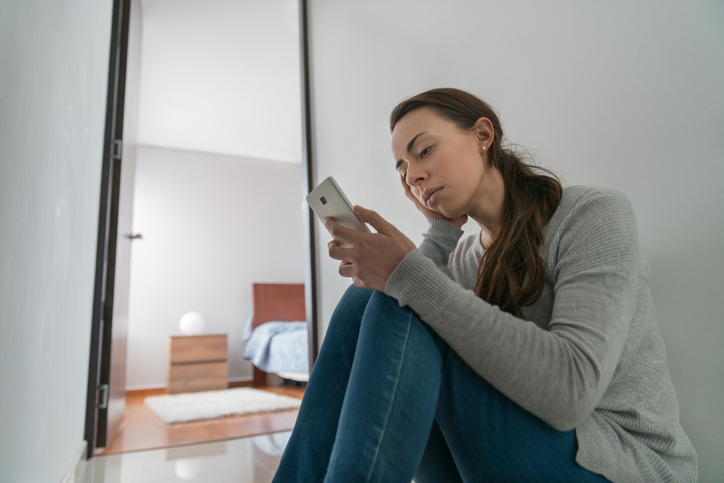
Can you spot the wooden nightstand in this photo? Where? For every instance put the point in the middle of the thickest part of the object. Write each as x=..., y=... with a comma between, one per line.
x=198, y=363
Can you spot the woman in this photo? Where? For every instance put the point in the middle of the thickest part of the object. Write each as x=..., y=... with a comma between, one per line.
x=529, y=352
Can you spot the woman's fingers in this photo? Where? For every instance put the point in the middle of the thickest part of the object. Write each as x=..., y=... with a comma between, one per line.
x=374, y=219
x=339, y=253
x=341, y=232
x=373, y=256
x=427, y=212
x=408, y=192
x=346, y=269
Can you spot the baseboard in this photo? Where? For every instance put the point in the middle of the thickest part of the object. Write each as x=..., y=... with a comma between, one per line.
x=144, y=387
x=142, y=393
x=75, y=472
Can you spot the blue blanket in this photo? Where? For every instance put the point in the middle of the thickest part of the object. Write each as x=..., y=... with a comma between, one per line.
x=278, y=346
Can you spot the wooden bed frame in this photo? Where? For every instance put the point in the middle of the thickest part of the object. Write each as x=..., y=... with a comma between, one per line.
x=276, y=301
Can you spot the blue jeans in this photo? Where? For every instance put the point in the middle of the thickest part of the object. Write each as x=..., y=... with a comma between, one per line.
x=389, y=400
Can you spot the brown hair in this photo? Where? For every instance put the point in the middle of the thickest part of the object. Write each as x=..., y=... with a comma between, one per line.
x=511, y=272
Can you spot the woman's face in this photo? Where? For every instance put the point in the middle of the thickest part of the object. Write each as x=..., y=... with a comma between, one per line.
x=446, y=167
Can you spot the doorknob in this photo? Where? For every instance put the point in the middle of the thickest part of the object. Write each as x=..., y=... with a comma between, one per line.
x=137, y=236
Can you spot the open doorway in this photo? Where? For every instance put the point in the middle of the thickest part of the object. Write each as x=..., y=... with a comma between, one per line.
x=213, y=129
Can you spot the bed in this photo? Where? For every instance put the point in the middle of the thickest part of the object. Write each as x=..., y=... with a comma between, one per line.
x=276, y=333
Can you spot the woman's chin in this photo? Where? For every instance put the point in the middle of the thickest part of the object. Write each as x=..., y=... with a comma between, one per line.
x=438, y=211
x=451, y=214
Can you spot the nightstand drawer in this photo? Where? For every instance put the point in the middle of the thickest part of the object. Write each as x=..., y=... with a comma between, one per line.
x=198, y=363
x=200, y=348
x=203, y=376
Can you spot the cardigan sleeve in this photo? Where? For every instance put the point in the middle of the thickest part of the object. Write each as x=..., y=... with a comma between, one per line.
x=439, y=241
x=559, y=374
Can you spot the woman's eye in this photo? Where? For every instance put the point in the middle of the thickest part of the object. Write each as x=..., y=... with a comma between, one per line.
x=424, y=152
x=404, y=176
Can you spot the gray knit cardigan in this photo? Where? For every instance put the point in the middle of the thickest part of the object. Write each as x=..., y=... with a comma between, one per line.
x=588, y=355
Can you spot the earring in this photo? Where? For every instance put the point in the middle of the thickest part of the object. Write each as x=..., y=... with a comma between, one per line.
x=483, y=148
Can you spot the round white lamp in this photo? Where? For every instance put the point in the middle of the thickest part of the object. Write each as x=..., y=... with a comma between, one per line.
x=191, y=323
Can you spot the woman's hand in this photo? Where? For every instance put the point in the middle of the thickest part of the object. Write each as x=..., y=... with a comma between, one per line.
x=373, y=256
x=427, y=212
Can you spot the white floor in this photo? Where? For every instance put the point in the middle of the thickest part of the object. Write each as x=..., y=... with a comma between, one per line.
x=246, y=460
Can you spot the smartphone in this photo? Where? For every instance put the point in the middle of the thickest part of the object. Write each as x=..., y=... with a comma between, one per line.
x=328, y=200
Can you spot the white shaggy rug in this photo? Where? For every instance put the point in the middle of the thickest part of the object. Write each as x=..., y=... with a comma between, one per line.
x=182, y=408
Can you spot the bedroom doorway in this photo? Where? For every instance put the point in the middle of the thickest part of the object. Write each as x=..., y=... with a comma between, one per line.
x=215, y=208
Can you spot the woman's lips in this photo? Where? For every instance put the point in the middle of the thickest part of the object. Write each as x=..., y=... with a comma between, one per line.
x=431, y=196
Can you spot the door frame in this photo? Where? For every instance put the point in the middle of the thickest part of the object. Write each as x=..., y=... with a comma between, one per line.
x=102, y=313
x=311, y=282
x=101, y=320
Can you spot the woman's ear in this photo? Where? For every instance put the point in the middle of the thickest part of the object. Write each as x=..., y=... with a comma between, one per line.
x=484, y=133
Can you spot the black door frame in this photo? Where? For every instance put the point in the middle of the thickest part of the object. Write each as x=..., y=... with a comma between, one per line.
x=102, y=314
x=312, y=285
x=101, y=322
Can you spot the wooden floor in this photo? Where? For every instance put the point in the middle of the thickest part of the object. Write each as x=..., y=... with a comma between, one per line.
x=141, y=429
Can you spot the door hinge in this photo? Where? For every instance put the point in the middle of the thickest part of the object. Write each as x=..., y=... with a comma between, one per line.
x=117, y=149
x=103, y=403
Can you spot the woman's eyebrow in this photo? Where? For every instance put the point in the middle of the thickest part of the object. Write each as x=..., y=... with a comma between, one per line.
x=412, y=141
x=409, y=148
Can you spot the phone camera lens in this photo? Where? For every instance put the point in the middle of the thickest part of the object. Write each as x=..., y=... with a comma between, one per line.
x=323, y=200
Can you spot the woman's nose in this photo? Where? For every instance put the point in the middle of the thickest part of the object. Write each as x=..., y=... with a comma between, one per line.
x=415, y=176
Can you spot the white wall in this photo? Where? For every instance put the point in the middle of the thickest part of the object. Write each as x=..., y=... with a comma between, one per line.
x=53, y=82
x=212, y=225
x=222, y=76
x=620, y=94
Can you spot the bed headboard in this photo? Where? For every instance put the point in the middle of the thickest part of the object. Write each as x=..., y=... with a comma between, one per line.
x=278, y=301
